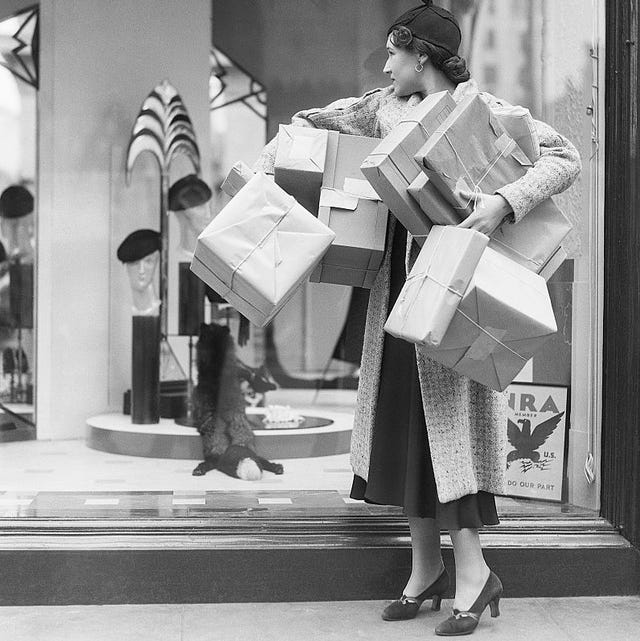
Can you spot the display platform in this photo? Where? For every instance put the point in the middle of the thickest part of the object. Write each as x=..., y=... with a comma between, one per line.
x=324, y=435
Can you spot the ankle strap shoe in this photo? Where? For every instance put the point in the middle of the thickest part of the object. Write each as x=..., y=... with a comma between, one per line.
x=466, y=621
x=406, y=607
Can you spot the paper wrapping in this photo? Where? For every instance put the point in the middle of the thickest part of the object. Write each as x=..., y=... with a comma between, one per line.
x=259, y=249
x=422, y=192
x=519, y=124
x=352, y=209
x=300, y=161
x=391, y=167
x=503, y=319
x=239, y=175
x=472, y=151
x=436, y=284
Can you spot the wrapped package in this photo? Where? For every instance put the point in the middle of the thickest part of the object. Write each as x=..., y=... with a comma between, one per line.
x=503, y=319
x=353, y=210
x=519, y=124
x=391, y=167
x=437, y=281
x=472, y=151
x=299, y=164
x=259, y=249
x=239, y=175
x=422, y=193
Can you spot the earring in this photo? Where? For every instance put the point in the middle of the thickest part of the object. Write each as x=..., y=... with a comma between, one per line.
x=419, y=66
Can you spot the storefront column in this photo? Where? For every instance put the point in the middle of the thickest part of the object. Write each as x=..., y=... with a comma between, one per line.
x=98, y=62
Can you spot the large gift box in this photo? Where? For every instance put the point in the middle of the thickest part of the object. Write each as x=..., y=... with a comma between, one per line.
x=259, y=249
x=391, y=166
x=437, y=281
x=300, y=161
x=472, y=151
x=503, y=319
x=353, y=210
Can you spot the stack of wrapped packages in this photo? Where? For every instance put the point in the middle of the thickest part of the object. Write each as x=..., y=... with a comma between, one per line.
x=320, y=220
x=476, y=304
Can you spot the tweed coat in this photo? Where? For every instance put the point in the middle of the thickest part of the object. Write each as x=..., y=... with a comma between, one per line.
x=466, y=421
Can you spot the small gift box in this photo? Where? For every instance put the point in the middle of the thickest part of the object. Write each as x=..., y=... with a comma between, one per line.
x=391, y=167
x=353, y=210
x=423, y=193
x=239, y=175
x=259, y=249
x=520, y=126
x=300, y=161
x=503, y=319
x=437, y=281
x=472, y=151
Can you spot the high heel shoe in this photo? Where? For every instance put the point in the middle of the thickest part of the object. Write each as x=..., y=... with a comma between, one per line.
x=466, y=621
x=406, y=607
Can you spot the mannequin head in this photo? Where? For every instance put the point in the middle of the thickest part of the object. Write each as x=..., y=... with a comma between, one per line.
x=142, y=271
x=140, y=253
x=190, y=198
x=16, y=222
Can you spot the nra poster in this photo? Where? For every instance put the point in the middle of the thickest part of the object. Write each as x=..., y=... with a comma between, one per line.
x=536, y=429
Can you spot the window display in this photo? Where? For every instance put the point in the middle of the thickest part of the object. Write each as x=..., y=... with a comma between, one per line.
x=282, y=395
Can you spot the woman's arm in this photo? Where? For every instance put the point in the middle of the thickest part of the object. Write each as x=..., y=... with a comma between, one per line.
x=553, y=172
x=355, y=116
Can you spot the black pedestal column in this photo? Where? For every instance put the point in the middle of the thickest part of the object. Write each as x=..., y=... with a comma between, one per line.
x=145, y=370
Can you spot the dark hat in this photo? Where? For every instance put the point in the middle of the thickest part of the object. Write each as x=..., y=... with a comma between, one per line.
x=16, y=201
x=187, y=192
x=139, y=244
x=434, y=24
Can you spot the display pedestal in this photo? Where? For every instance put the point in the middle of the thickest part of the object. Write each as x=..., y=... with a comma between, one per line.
x=21, y=294
x=145, y=370
x=190, y=301
x=114, y=433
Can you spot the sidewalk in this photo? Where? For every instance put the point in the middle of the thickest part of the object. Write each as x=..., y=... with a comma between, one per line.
x=571, y=619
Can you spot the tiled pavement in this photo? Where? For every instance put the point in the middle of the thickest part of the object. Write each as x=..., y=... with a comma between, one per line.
x=568, y=619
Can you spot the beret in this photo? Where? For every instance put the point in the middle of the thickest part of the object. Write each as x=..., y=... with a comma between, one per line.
x=15, y=201
x=433, y=24
x=138, y=244
x=189, y=191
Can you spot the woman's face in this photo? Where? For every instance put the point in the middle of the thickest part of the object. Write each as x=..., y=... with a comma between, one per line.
x=400, y=67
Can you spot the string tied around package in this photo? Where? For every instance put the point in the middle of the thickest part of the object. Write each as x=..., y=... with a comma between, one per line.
x=476, y=191
x=277, y=252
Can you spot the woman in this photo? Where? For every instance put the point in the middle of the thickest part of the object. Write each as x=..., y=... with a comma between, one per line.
x=424, y=437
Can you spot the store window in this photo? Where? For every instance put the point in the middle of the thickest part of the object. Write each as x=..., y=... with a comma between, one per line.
x=298, y=376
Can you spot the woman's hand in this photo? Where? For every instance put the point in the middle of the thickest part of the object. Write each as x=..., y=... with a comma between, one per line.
x=488, y=213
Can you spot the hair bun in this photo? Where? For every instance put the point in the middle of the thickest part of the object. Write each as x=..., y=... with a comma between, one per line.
x=455, y=68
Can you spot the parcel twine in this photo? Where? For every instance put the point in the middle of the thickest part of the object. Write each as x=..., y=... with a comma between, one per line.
x=261, y=242
x=423, y=276
x=477, y=193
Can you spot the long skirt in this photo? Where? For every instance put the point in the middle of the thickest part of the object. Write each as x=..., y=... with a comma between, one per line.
x=400, y=468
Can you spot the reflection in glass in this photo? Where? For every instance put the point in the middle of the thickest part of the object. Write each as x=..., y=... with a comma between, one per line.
x=18, y=205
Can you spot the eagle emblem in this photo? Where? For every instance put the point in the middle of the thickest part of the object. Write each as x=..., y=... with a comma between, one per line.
x=526, y=443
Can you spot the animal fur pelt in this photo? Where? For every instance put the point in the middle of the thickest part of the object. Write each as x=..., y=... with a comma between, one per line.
x=220, y=408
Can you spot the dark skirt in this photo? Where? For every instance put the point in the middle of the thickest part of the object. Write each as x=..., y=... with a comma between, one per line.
x=400, y=468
